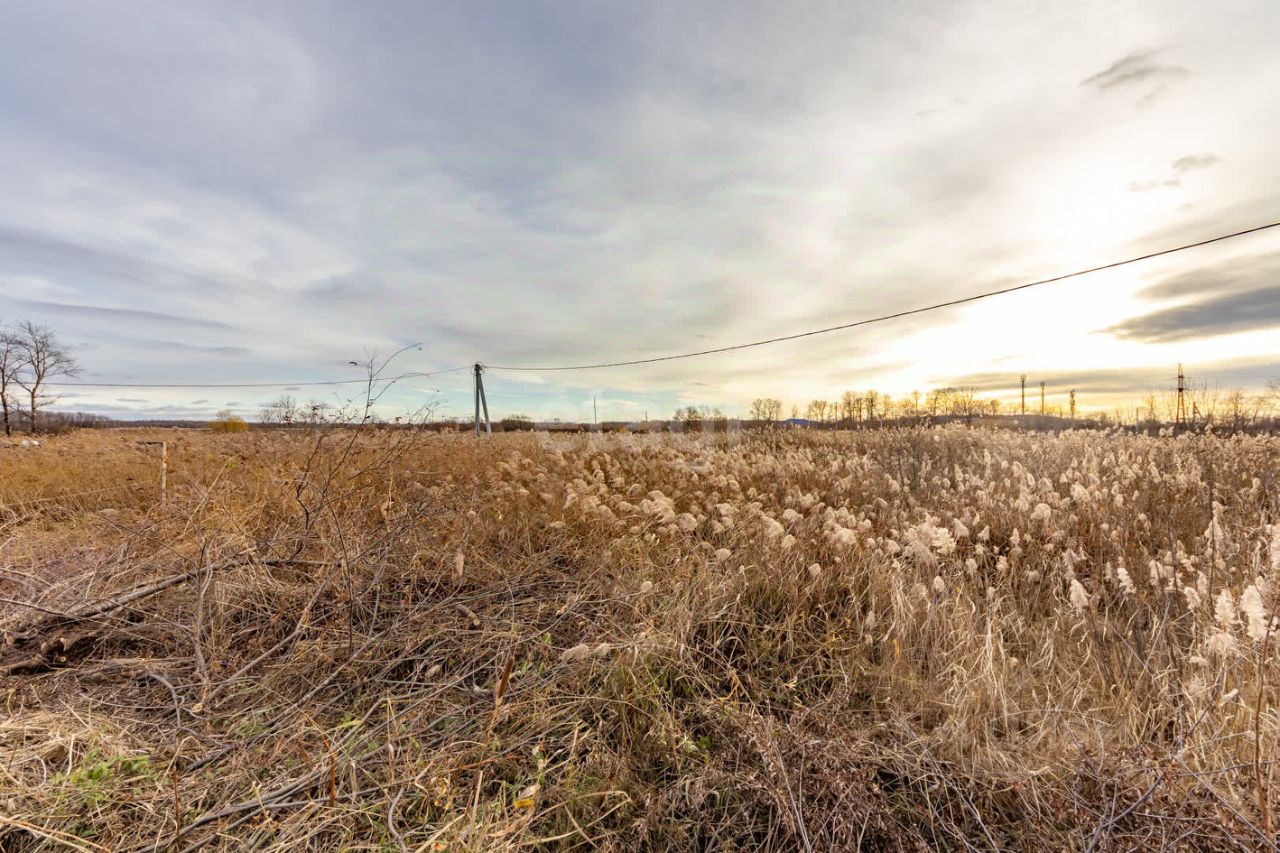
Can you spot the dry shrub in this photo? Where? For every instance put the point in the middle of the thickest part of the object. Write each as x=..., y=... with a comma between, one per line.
x=227, y=422
x=896, y=639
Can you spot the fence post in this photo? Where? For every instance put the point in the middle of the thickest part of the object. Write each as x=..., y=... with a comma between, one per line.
x=164, y=467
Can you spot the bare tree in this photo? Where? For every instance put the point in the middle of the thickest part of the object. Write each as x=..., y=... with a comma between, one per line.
x=40, y=357
x=282, y=410
x=1245, y=411
x=817, y=410
x=848, y=402
x=1149, y=405
x=8, y=374
x=965, y=403
x=315, y=412
x=939, y=401
x=766, y=409
x=688, y=417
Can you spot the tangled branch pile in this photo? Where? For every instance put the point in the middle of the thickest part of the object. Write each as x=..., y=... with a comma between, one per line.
x=899, y=639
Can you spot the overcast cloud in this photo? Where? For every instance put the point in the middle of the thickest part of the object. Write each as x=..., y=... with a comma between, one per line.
x=235, y=191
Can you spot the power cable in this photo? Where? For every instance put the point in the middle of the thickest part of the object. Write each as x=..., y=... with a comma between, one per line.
x=365, y=381
x=897, y=314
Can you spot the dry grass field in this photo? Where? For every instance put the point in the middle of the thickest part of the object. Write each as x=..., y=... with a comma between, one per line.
x=903, y=639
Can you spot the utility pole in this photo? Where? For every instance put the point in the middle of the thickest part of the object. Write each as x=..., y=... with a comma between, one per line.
x=1073, y=404
x=478, y=369
x=595, y=413
x=1180, y=414
x=1042, y=399
x=1024, y=393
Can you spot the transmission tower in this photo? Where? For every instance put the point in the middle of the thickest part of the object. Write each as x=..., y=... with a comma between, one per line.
x=1024, y=393
x=1072, y=397
x=1042, y=399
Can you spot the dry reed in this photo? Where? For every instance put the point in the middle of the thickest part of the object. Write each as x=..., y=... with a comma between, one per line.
x=899, y=639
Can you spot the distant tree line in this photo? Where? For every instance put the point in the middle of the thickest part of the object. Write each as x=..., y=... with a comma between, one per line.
x=863, y=408
x=31, y=359
x=1204, y=407
x=694, y=418
x=1233, y=410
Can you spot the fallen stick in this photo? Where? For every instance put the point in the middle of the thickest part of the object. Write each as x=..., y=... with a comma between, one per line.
x=124, y=599
x=46, y=659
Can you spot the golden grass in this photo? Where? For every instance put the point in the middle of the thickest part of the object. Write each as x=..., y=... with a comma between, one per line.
x=895, y=639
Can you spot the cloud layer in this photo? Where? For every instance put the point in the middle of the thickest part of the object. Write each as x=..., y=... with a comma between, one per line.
x=232, y=191
x=1138, y=69
x=1242, y=295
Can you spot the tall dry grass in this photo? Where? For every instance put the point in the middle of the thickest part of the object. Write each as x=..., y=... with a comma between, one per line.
x=897, y=639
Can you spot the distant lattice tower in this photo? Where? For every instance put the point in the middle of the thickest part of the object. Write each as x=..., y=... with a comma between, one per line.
x=1024, y=393
x=1072, y=398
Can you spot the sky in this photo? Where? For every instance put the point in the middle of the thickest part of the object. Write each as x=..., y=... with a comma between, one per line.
x=235, y=192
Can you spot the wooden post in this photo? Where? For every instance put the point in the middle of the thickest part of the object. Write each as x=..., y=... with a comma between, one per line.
x=164, y=467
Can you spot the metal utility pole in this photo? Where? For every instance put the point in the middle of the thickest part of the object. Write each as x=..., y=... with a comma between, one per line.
x=1042, y=399
x=1024, y=393
x=478, y=369
x=1180, y=414
x=595, y=413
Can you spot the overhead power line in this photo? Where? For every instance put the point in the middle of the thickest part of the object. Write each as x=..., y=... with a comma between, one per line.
x=365, y=381
x=986, y=295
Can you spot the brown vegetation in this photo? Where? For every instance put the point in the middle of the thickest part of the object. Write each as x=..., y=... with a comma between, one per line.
x=227, y=422
x=386, y=639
